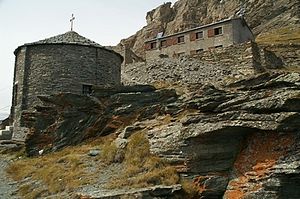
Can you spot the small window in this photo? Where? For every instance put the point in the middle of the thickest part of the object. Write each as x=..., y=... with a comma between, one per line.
x=153, y=45
x=163, y=43
x=180, y=54
x=219, y=46
x=199, y=50
x=86, y=89
x=180, y=39
x=199, y=35
x=218, y=31
x=16, y=95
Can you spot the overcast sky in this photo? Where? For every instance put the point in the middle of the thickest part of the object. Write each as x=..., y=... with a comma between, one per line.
x=23, y=21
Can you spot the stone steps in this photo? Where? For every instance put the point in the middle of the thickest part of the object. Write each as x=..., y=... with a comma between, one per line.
x=6, y=134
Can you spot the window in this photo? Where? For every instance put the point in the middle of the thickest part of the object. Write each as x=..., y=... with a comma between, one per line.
x=199, y=35
x=218, y=31
x=180, y=39
x=153, y=45
x=163, y=43
x=16, y=95
x=219, y=46
x=180, y=54
x=199, y=50
x=86, y=89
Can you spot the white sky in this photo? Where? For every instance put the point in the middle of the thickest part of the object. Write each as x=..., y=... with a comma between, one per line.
x=103, y=21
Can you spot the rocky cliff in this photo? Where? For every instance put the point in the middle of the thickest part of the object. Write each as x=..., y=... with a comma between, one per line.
x=235, y=141
x=261, y=15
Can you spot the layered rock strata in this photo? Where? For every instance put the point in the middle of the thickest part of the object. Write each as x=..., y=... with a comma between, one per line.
x=235, y=141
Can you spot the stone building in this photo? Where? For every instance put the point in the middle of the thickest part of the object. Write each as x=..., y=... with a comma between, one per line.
x=215, y=35
x=63, y=63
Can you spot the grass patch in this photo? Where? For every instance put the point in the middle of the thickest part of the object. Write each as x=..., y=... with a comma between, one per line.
x=190, y=189
x=179, y=88
x=109, y=153
x=61, y=171
x=29, y=192
x=65, y=171
x=280, y=36
x=141, y=168
x=58, y=172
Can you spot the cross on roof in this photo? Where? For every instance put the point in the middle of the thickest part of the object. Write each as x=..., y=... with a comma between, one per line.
x=71, y=20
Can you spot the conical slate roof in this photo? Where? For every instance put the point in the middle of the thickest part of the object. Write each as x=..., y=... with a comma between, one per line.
x=70, y=37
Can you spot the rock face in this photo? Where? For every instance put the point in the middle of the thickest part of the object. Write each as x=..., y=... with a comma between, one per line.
x=262, y=15
x=234, y=141
x=158, y=192
x=68, y=119
x=239, y=140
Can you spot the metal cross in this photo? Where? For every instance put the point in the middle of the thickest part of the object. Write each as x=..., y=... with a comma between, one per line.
x=71, y=20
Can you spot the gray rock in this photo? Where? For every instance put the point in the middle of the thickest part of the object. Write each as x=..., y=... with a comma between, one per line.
x=94, y=152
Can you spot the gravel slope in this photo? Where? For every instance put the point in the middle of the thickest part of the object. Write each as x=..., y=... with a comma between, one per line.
x=7, y=187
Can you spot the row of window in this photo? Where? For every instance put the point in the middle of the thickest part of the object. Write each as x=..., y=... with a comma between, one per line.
x=180, y=39
x=201, y=49
x=195, y=51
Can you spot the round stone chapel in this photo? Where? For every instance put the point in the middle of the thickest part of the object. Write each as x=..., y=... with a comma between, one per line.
x=63, y=63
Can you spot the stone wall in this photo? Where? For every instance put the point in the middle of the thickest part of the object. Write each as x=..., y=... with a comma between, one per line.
x=289, y=55
x=49, y=69
x=241, y=32
x=216, y=65
x=19, y=86
x=234, y=31
x=244, y=59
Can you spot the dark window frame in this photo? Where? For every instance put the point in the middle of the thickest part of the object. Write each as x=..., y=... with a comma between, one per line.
x=153, y=45
x=201, y=33
x=181, y=54
x=87, y=89
x=180, y=39
x=218, y=31
x=199, y=50
x=16, y=94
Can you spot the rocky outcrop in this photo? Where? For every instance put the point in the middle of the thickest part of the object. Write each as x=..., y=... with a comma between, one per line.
x=240, y=141
x=68, y=119
x=159, y=192
x=236, y=141
x=261, y=15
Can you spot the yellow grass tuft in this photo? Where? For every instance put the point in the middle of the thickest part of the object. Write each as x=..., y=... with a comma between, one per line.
x=190, y=189
x=141, y=168
x=285, y=35
x=59, y=171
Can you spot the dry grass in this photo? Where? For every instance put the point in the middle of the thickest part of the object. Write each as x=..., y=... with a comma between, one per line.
x=109, y=153
x=59, y=171
x=141, y=168
x=29, y=192
x=280, y=36
x=190, y=189
x=179, y=88
x=66, y=170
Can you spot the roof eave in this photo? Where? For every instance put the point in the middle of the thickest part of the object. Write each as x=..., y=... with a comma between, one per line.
x=40, y=44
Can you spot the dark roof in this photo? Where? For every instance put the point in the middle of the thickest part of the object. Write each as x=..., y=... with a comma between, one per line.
x=70, y=37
